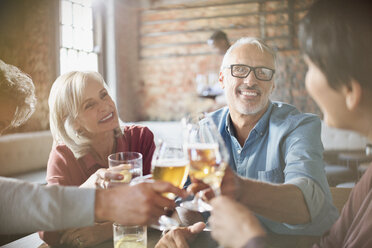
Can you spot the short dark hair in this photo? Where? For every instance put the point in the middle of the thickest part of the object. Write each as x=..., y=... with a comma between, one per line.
x=337, y=37
x=218, y=35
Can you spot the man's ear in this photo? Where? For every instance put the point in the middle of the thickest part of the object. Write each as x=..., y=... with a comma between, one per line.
x=220, y=79
x=353, y=94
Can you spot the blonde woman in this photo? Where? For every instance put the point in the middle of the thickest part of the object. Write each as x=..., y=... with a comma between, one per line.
x=85, y=127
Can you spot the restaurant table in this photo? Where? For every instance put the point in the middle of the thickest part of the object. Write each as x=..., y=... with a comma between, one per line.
x=203, y=240
x=33, y=241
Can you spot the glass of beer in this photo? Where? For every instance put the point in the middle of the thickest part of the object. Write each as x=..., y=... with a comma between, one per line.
x=207, y=154
x=170, y=164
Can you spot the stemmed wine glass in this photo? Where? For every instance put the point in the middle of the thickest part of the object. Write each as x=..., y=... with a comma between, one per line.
x=170, y=163
x=207, y=154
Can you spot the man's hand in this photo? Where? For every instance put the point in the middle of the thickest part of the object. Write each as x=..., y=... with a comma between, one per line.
x=139, y=204
x=232, y=224
x=230, y=186
x=179, y=237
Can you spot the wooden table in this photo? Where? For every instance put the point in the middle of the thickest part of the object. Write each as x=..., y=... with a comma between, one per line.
x=203, y=240
x=33, y=241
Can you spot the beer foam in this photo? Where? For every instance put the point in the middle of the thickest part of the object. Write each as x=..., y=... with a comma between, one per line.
x=171, y=163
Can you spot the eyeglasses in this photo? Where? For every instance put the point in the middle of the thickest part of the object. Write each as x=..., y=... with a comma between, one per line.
x=242, y=71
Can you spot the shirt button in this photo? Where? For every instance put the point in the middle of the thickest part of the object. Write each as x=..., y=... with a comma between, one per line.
x=239, y=151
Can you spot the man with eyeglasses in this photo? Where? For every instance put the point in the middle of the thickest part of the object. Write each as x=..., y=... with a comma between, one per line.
x=275, y=150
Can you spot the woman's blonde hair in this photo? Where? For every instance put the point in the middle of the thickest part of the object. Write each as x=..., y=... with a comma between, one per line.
x=65, y=101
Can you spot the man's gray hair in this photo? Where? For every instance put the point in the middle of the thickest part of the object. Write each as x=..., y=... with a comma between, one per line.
x=248, y=40
x=19, y=88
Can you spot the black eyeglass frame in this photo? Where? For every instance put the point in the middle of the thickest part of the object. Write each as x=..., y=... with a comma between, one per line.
x=251, y=68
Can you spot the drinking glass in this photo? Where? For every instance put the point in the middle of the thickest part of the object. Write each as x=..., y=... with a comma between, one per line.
x=128, y=164
x=207, y=154
x=129, y=236
x=169, y=164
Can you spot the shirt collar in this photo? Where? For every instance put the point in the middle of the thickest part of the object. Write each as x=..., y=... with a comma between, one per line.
x=260, y=126
x=228, y=125
x=263, y=123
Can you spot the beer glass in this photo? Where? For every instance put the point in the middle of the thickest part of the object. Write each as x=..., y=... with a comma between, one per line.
x=207, y=154
x=169, y=164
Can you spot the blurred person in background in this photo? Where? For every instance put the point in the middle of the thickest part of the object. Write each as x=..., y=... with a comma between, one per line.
x=219, y=42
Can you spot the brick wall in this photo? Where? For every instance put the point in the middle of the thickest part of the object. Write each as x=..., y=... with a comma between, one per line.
x=173, y=51
x=159, y=51
x=28, y=41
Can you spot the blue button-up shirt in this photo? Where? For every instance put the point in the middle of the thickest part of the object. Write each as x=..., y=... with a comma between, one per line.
x=284, y=147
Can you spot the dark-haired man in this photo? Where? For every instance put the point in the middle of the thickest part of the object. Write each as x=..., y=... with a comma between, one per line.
x=219, y=42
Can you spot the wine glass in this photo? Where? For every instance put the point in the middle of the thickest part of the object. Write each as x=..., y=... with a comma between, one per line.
x=207, y=154
x=169, y=164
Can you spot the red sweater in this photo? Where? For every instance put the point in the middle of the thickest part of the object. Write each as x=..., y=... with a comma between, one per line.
x=64, y=169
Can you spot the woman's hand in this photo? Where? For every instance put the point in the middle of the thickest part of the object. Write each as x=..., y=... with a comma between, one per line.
x=180, y=236
x=232, y=224
x=102, y=179
x=87, y=236
x=139, y=204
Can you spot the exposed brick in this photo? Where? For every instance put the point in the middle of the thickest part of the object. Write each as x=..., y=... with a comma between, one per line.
x=277, y=31
x=169, y=83
x=280, y=18
x=203, y=12
x=191, y=25
x=275, y=5
x=301, y=4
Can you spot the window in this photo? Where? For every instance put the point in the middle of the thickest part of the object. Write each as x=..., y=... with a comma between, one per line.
x=76, y=43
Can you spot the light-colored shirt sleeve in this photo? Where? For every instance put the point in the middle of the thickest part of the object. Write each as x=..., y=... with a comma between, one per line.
x=27, y=207
x=284, y=147
x=315, y=199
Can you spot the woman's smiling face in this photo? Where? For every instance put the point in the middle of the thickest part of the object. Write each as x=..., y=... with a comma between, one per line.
x=97, y=112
